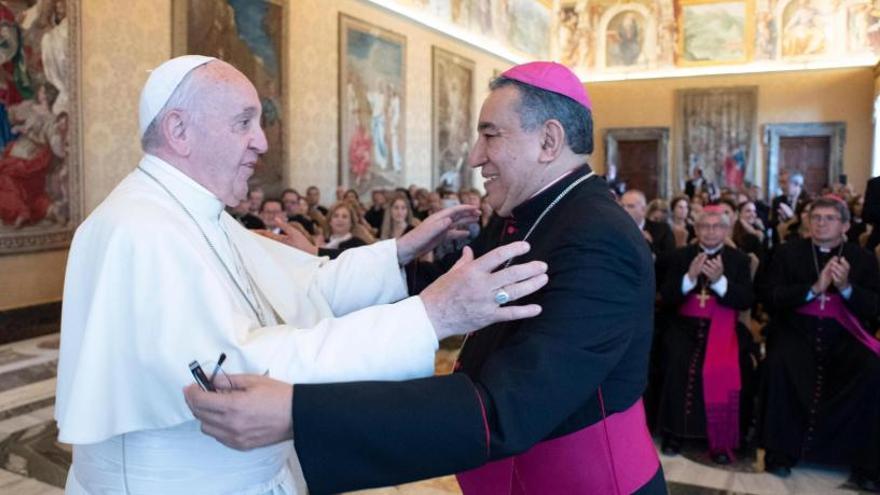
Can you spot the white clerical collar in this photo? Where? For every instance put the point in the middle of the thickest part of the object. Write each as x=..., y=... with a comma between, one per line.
x=554, y=181
x=712, y=251
x=642, y=225
x=200, y=201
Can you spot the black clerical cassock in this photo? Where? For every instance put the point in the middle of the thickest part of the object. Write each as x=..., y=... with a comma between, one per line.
x=534, y=387
x=689, y=339
x=823, y=385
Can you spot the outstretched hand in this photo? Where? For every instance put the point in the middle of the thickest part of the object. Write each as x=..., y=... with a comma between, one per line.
x=256, y=412
x=463, y=299
x=446, y=224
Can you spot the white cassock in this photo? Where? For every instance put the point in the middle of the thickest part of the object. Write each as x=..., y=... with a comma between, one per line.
x=145, y=294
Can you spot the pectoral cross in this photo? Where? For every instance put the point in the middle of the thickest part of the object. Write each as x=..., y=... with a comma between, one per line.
x=703, y=297
x=822, y=300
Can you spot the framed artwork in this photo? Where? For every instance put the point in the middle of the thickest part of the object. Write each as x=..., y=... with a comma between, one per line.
x=372, y=97
x=717, y=133
x=625, y=38
x=715, y=32
x=40, y=175
x=452, y=126
x=250, y=36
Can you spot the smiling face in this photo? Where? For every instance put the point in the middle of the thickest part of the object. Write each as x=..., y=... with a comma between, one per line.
x=506, y=154
x=227, y=138
x=340, y=221
x=748, y=213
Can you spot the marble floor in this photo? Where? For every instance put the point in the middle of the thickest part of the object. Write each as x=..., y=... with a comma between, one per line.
x=32, y=462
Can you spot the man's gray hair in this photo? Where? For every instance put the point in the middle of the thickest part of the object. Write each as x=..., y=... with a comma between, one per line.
x=796, y=178
x=182, y=98
x=537, y=106
x=712, y=212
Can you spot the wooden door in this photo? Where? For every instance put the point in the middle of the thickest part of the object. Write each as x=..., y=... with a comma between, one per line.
x=638, y=167
x=808, y=155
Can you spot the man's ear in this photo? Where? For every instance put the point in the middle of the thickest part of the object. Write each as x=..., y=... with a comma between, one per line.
x=552, y=141
x=177, y=132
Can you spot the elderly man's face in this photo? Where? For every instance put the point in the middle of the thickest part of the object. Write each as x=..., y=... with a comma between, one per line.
x=507, y=154
x=712, y=230
x=634, y=204
x=227, y=137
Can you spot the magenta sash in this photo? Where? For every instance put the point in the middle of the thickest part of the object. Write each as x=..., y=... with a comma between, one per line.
x=614, y=456
x=834, y=308
x=721, y=373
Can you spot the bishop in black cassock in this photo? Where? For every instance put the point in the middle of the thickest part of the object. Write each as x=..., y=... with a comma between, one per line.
x=822, y=397
x=690, y=336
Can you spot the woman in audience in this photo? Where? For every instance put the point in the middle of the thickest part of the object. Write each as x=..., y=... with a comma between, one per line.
x=658, y=211
x=398, y=218
x=679, y=220
x=340, y=228
x=748, y=231
x=856, y=226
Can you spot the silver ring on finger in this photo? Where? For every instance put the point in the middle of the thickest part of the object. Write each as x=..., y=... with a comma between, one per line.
x=502, y=297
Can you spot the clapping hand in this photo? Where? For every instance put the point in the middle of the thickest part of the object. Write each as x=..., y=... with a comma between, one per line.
x=713, y=269
x=839, y=271
x=825, y=279
x=696, y=267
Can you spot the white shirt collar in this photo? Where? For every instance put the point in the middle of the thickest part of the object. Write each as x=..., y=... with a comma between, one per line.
x=201, y=202
x=712, y=251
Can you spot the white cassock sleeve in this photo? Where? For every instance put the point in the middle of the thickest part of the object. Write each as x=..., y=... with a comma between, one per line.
x=144, y=296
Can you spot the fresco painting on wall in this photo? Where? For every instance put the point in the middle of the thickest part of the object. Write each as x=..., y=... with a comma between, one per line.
x=625, y=38
x=453, y=94
x=39, y=117
x=713, y=32
x=586, y=34
x=518, y=25
x=529, y=26
x=803, y=29
x=247, y=34
x=372, y=94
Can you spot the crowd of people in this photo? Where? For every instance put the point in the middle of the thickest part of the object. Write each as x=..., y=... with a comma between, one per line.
x=766, y=319
x=347, y=222
x=766, y=325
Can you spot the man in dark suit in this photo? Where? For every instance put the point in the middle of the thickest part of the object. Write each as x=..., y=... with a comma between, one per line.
x=659, y=235
x=871, y=212
x=694, y=185
x=554, y=385
x=790, y=203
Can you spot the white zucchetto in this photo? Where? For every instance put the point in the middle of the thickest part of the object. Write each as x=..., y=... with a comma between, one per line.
x=161, y=84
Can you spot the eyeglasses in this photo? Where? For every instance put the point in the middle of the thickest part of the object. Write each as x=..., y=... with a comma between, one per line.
x=824, y=218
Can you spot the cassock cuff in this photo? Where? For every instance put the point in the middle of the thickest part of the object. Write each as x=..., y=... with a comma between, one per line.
x=687, y=284
x=720, y=287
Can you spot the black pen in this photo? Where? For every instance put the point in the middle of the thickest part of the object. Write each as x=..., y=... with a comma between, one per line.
x=217, y=367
